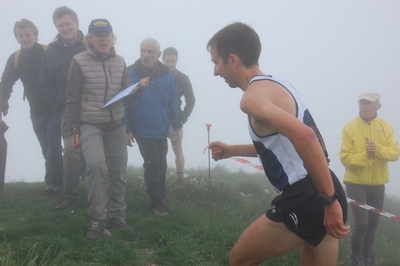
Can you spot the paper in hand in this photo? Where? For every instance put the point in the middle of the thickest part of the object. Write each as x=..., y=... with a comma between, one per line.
x=131, y=90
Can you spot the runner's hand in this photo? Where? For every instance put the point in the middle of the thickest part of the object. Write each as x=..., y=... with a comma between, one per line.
x=333, y=221
x=219, y=150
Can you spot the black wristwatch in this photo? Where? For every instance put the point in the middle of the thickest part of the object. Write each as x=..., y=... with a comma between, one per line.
x=326, y=200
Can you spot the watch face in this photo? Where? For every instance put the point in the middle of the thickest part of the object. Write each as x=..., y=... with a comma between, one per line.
x=324, y=199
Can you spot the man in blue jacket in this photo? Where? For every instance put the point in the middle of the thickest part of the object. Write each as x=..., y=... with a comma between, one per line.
x=52, y=83
x=149, y=117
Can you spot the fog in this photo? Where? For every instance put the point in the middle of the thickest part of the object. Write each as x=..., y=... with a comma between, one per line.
x=331, y=51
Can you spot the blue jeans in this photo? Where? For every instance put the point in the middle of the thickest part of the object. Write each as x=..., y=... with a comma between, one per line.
x=48, y=133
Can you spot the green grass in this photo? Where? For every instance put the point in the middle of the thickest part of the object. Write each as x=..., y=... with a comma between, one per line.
x=201, y=228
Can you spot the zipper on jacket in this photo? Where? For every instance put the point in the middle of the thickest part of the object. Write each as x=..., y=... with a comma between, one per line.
x=106, y=90
x=111, y=76
x=373, y=164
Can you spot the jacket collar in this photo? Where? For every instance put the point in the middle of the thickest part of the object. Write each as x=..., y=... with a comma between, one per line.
x=36, y=47
x=369, y=121
x=61, y=41
x=113, y=53
x=141, y=72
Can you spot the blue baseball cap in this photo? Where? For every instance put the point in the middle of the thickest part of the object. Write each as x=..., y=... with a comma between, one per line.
x=100, y=24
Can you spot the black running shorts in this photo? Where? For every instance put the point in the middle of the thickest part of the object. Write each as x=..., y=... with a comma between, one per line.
x=300, y=210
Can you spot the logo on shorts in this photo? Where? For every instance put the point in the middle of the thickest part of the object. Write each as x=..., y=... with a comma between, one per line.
x=272, y=208
x=294, y=218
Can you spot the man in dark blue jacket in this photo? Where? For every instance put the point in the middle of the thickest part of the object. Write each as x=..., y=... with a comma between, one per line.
x=149, y=117
x=24, y=64
x=52, y=84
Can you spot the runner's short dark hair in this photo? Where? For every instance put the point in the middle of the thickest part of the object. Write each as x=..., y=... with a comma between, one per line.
x=240, y=39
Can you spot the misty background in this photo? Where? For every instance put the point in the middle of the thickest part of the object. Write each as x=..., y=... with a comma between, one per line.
x=331, y=51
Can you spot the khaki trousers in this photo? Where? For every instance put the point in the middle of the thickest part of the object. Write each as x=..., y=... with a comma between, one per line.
x=106, y=156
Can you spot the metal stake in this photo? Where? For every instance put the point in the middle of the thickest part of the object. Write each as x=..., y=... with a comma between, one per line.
x=209, y=173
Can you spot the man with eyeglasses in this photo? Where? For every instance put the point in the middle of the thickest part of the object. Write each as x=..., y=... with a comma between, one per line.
x=368, y=143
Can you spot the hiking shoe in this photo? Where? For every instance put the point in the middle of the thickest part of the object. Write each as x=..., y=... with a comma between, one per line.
x=159, y=211
x=164, y=201
x=117, y=223
x=66, y=203
x=181, y=179
x=51, y=190
x=107, y=233
x=143, y=184
x=95, y=230
x=179, y=182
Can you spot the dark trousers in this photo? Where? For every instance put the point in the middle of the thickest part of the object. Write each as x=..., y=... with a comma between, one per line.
x=3, y=154
x=154, y=153
x=72, y=163
x=365, y=222
x=48, y=133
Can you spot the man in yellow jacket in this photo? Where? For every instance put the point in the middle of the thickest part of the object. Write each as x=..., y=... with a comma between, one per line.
x=368, y=143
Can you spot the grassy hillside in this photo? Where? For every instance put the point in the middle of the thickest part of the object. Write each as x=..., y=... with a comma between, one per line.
x=201, y=227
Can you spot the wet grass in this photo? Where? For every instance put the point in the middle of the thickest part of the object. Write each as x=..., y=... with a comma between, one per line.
x=201, y=228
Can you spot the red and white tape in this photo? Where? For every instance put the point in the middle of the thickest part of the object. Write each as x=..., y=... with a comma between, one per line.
x=351, y=201
x=370, y=208
x=246, y=162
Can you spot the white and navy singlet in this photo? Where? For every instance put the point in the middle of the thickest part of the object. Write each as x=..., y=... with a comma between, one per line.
x=281, y=162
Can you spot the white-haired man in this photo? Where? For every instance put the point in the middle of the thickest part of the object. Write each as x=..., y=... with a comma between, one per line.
x=368, y=143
